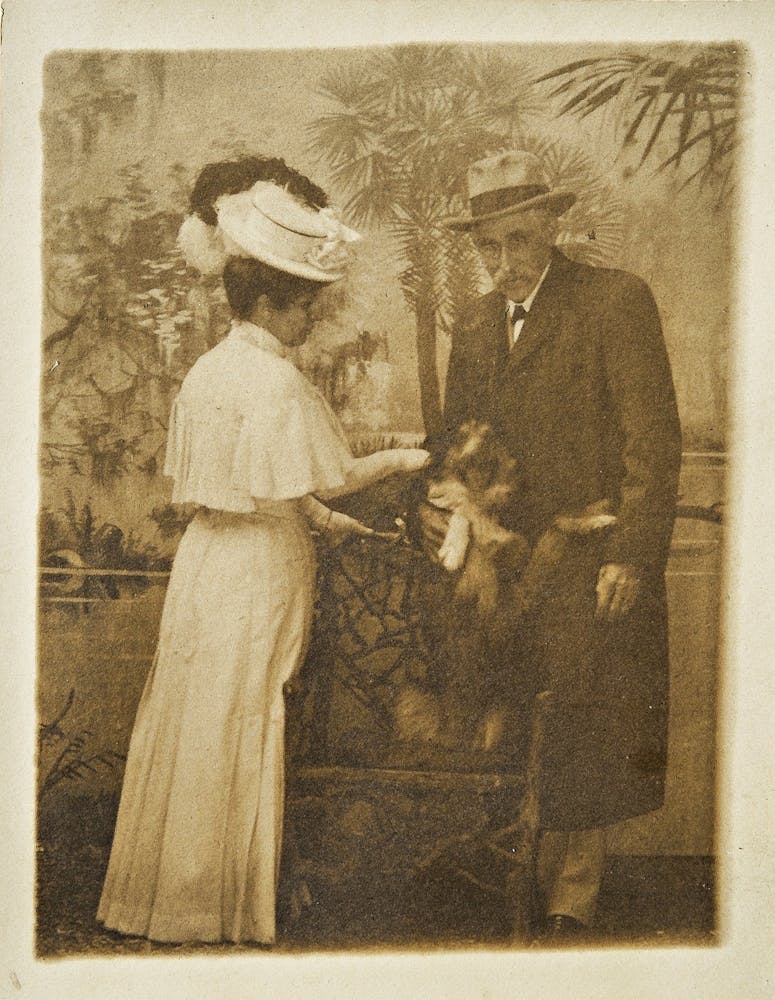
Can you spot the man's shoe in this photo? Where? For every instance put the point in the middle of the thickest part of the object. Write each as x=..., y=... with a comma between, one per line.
x=563, y=930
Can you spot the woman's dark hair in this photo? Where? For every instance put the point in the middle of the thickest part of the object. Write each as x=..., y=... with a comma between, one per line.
x=233, y=176
x=246, y=280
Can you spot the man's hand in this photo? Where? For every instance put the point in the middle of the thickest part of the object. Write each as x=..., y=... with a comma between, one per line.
x=618, y=587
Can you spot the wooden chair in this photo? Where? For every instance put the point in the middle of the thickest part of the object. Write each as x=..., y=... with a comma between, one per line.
x=373, y=821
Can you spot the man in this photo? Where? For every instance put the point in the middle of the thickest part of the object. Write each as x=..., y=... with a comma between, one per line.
x=568, y=364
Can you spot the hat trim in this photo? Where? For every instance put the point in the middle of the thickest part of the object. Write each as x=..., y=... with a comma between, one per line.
x=241, y=239
x=316, y=234
x=463, y=222
x=289, y=266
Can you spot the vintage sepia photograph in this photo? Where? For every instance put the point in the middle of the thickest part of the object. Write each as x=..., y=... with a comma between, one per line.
x=384, y=475
x=382, y=494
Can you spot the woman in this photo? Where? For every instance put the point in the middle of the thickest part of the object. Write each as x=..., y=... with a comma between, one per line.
x=252, y=444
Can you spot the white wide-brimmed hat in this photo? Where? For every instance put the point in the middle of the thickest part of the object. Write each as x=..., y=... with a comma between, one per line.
x=508, y=182
x=270, y=224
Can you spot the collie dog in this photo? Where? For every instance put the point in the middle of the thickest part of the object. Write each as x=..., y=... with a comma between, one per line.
x=494, y=581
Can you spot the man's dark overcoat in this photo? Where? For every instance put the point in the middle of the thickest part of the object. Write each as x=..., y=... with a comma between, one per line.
x=585, y=402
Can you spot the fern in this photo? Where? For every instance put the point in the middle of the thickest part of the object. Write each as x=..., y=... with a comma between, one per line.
x=72, y=763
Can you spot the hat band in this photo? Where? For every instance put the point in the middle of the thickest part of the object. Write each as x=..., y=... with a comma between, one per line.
x=247, y=228
x=285, y=242
x=496, y=201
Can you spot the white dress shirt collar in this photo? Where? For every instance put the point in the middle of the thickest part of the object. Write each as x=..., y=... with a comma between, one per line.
x=528, y=302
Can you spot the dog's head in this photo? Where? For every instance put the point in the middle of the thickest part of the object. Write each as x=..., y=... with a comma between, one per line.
x=482, y=464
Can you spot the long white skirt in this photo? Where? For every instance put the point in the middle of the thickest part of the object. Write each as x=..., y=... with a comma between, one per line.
x=197, y=843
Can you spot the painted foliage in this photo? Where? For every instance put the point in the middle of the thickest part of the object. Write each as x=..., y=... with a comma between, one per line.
x=646, y=137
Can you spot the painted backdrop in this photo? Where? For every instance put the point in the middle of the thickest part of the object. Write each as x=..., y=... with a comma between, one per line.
x=647, y=138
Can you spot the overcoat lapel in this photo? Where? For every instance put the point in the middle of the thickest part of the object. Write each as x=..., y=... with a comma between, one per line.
x=489, y=354
x=491, y=334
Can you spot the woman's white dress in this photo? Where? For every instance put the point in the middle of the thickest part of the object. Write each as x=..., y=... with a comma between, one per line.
x=196, y=849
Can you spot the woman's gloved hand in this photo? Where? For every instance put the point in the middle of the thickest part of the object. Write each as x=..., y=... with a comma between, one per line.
x=342, y=526
x=411, y=459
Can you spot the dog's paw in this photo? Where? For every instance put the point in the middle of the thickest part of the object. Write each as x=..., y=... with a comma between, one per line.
x=452, y=556
x=452, y=553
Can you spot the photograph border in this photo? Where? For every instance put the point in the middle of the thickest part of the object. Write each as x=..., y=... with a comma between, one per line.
x=742, y=963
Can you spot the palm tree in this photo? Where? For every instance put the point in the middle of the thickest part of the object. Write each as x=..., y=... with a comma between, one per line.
x=407, y=123
x=686, y=99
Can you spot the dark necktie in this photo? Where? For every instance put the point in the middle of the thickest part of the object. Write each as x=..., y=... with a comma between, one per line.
x=515, y=314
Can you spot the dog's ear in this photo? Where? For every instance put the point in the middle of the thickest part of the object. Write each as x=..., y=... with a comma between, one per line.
x=464, y=452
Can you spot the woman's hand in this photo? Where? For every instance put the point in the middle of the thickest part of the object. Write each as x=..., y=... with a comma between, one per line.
x=411, y=459
x=341, y=526
x=379, y=465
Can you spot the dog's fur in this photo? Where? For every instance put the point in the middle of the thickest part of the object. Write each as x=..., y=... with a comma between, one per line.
x=498, y=580
x=484, y=476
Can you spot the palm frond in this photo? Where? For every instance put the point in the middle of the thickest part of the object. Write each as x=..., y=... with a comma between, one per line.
x=504, y=92
x=593, y=229
x=431, y=110
x=594, y=64
x=588, y=99
x=647, y=103
x=417, y=67
x=686, y=145
x=461, y=280
x=657, y=130
x=366, y=207
x=344, y=135
x=348, y=87
x=688, y=97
